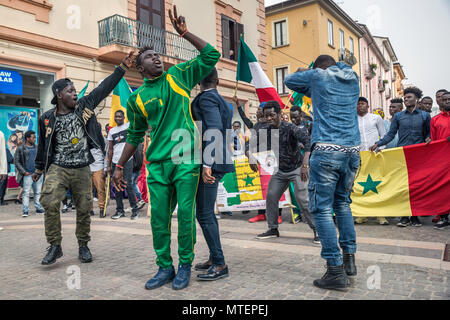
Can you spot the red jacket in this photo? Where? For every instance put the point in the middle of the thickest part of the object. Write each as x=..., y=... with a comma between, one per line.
x=440, y=126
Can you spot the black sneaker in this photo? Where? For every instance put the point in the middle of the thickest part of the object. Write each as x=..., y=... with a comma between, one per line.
x=404, y=222
x=271, y=233
x=25, y=214
x=415, y=222
x=84, y=254
x=442, y=224
x=134, y=215
x=53, y=252
x=65, y=209
x=91, y=213
x=316, y=237
x=102, y=213
x=118, y=215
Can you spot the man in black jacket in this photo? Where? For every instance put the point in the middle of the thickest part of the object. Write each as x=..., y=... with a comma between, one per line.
x=66, y=135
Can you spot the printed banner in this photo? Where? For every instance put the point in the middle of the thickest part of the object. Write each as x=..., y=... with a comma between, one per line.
x=245, y=189
x=15, y=121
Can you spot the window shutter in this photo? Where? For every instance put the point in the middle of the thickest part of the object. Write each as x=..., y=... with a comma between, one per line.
x=225, y=37
x=239, y=32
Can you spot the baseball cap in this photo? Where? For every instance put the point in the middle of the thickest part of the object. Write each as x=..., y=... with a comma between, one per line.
x=58, y=86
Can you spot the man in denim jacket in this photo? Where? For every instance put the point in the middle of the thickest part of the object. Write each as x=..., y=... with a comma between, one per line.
x=335, y=140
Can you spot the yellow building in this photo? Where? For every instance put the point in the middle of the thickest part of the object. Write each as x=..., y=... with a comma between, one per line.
x=298, y=31
x=399, y=76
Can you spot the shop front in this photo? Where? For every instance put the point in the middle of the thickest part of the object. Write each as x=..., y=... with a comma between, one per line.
x=24, y=95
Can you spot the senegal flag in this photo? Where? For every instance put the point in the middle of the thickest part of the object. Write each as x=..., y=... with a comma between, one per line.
x=119, y=100
x=298, y=99
x=407, y=181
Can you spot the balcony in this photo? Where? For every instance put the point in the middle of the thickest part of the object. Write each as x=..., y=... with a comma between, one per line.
x=116, y=33
x=346, y=56
x=381, y=85
x=370, y=72
x=388, y=93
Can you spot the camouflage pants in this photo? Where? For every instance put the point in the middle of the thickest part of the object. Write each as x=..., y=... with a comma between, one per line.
x=77, y=181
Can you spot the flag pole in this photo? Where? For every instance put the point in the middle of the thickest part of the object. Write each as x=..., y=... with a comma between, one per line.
x=290, y=96
x=236, y=88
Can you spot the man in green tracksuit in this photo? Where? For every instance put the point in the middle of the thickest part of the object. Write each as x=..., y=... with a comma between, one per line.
x=162, y=104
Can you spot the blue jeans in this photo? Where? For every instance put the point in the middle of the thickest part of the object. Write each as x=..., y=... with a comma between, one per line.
x=135, y=186
x=206, y=198
x=28, y=184
x=332, y=174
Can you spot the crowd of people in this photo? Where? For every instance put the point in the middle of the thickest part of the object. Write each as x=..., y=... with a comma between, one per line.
x=319, y=156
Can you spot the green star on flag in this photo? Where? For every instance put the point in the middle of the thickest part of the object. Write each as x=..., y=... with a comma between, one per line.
x=369, y=185
x=249, y=181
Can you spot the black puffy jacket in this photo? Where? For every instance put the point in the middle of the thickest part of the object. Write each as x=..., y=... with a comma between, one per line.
x=85, y=112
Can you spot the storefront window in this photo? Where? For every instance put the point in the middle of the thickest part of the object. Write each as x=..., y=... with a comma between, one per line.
x=24, y=96
x=25, y=88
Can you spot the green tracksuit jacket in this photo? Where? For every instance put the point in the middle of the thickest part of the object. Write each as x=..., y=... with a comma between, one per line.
x=163, y=105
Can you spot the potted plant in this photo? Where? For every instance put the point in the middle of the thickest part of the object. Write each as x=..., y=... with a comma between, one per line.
x=386, y=81
x=374, y=66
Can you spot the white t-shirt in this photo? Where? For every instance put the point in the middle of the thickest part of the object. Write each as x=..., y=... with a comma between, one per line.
x=372, y=129
x=118, y=135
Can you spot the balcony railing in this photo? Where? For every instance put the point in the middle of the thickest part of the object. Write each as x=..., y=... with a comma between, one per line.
x=347, y=56
x=120, y=30
x=369, y=72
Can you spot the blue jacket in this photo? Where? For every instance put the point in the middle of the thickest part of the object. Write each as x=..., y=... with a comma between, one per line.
x=215, y=116
x=334, y=93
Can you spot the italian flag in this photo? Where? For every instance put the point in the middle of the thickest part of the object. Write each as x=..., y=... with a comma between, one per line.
x=119, y=100
x=407, y=181
x=249, y=70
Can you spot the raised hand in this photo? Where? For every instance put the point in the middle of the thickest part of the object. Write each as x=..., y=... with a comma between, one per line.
x=129, y=60
x=178, y=22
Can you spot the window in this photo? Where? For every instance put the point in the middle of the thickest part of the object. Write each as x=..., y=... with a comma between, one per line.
x=330, y=33
x=281, y=74
x=341, y=39
x=151, y=12
x=352, y=45
x=280, y=33
x=231, y=33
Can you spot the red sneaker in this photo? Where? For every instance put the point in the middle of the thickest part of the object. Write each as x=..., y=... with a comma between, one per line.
x=259, y=217
x=436, y=219
x=280, y=221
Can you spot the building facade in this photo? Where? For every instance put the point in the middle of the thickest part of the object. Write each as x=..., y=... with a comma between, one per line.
x=298, y=31
x=45, y=40
x=48, y=40
x=399, y=76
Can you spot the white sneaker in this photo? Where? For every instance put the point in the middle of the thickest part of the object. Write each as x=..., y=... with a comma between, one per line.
x=95, y=199
x=218, y=216
x=141, y=204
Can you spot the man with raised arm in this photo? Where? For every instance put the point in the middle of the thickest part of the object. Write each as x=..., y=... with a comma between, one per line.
x=162, y=104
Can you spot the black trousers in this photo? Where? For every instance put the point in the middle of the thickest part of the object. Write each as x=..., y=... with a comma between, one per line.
x=3, y=186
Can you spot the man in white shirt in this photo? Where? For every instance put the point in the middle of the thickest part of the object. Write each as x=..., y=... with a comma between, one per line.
x=98, y=170
x=117, y=137
x=372, y=129
x=371, y=126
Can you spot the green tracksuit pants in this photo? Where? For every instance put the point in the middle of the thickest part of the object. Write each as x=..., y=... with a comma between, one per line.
x=169, y=184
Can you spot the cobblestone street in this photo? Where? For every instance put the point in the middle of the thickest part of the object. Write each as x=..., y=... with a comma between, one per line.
x=409, y=261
